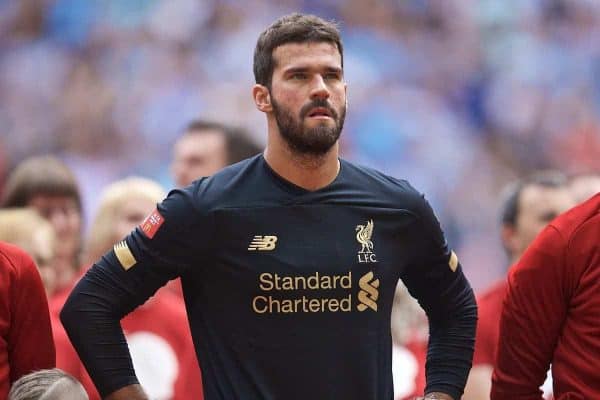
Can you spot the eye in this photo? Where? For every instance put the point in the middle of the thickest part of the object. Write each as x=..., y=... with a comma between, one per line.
x=299, y=76
x=332, y=76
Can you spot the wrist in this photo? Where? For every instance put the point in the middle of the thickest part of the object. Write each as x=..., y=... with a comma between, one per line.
x=437, y=396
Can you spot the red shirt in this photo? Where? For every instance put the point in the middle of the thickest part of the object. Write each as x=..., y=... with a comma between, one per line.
x=552, y=312
x=488, y=324
x=160, y=343
x=409, y=369
x=25, y=335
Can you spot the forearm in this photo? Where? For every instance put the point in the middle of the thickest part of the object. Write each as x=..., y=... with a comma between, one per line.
x=451, y=342
x=131, y=392
x=91, y=318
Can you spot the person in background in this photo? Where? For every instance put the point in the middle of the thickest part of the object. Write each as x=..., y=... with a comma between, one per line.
x=31, y=232
x=206, y=147
x=409, y=353
x=47, y=384
x=529, y=205
x=551, y=312
x=49, y=186
x=25, y=334
x=157, y=332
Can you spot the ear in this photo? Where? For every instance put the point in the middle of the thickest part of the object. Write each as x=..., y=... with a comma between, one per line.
x=262, y=98
x=509, y=238
x=346, y=94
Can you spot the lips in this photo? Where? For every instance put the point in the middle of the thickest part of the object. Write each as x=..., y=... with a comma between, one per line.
x=319, y=112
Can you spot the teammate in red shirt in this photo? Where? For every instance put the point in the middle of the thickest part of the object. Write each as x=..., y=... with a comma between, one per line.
x=25, y=335
x=529, y=205
x=158, y=333
x=551, y=313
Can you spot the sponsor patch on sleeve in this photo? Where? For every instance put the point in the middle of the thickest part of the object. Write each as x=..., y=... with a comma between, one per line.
x=124, y=255
x=152, y=223
x=453, y=262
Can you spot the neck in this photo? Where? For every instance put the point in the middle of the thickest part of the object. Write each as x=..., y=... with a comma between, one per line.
x=310, y=172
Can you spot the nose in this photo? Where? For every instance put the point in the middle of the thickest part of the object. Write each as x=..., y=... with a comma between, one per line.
x=319, y=89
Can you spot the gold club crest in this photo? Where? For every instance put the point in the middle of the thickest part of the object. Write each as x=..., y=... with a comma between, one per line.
x=363, y=236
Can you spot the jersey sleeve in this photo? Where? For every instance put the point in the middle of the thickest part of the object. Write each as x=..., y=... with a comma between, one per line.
x=533, y=312
x=30, y=344
x=166, y=245
x=436, y=280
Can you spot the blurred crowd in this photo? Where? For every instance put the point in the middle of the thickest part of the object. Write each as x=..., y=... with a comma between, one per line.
x=458, y=96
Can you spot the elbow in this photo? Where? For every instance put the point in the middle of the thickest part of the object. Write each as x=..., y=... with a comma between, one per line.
x=68, y=314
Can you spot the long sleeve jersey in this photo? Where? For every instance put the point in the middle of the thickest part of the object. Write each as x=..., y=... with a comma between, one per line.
x=26, y=343
x=288, y=291
x=551, y=313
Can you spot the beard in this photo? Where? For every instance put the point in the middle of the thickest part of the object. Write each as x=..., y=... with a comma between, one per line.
x=315, y=141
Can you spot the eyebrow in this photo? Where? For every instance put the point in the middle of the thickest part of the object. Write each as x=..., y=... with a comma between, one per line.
x=306, y=69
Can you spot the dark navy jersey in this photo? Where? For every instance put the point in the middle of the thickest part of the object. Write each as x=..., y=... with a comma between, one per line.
x=288, y=291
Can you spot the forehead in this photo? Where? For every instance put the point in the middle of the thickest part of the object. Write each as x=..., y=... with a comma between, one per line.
x=536, y=198
x=307, y=54
x=51, y=200
x=200, y=141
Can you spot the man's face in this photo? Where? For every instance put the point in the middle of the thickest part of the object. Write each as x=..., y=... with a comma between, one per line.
x=198, y=154
x=308, y=94
x=65, y=217
x=538, y=205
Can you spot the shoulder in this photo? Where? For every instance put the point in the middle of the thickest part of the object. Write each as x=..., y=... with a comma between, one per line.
x=579, y=219
x=229, y=185
x=398, y=192
x=16, y=260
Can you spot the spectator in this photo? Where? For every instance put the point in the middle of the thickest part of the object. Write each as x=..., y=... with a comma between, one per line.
x=25, y=334
x=47, y=384
x=49, y=186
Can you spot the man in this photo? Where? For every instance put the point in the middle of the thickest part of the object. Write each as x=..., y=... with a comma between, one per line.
x=49, y=186
x=207, y=147
x=529, y=205
x=47, y=384
x=289, y=260
x=25, y=334
x=551, y=313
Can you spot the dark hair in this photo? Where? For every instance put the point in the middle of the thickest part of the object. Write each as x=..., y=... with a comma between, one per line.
x=39, y=384
x=512, y=193
x=293, y=28
x=238, y=143
x=44, y=175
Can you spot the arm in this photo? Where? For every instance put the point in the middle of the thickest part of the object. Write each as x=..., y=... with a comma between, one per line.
x=131, y=392
x=30, y=345
x=436, y=280
x=122, y=280
x=479, y=383
x=533, y=312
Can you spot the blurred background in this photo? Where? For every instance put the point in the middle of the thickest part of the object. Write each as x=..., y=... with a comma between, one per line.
x=457, y=96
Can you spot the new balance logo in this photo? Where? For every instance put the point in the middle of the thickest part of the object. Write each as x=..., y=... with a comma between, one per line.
x=368, y=294
x=263, y=243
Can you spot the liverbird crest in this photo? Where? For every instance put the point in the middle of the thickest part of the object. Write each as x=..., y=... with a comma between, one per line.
x=363, y=236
